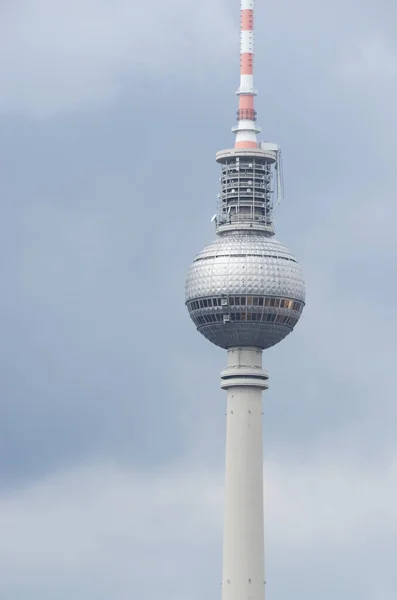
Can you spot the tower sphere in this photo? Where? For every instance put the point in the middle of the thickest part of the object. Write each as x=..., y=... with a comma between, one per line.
x=245, y=289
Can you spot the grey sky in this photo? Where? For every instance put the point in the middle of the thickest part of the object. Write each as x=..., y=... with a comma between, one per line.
x=112, y=428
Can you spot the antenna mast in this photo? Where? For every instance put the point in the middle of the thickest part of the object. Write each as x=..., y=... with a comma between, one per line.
x=246, y=129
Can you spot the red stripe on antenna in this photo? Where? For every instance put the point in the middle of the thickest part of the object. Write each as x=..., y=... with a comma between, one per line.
x=247, y=20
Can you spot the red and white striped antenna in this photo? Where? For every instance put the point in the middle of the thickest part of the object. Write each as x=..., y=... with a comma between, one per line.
x=246, y=129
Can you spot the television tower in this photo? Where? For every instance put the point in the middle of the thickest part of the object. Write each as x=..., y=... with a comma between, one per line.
x=245, y=293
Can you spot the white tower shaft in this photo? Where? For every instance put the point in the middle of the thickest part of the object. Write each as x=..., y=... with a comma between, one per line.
x=243, y=541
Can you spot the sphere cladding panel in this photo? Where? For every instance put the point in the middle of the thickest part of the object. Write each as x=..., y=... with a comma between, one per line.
x=244, y=264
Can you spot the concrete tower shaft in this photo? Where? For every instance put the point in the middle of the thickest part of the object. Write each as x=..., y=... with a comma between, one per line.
x=243, y=540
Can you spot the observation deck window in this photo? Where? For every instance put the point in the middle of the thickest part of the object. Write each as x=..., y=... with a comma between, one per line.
x=257, y=301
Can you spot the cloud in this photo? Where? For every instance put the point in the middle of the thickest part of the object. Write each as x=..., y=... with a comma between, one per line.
x=152, y=533
x=331, y=501
x=370, y=60
x=76, y=54
x=101, y=528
